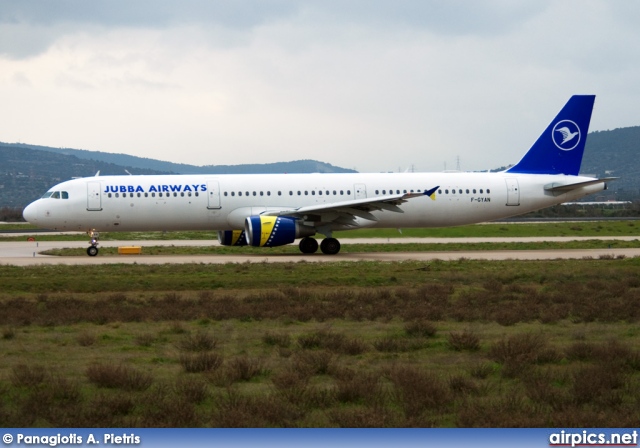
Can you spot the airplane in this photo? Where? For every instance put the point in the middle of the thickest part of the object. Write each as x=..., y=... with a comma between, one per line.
x=268, y=210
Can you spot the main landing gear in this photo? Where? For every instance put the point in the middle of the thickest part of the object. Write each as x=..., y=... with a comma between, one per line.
x=92, y=250
x=328, y=246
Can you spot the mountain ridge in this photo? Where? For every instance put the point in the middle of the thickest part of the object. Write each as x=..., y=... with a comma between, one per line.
x=129, y=161
x=27, y=171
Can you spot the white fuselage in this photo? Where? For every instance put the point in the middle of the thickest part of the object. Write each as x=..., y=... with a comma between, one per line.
x=222, y=202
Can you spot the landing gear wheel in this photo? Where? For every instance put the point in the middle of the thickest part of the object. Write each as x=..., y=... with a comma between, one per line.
x=92, y=250
x=308, y=245
x=330, y=246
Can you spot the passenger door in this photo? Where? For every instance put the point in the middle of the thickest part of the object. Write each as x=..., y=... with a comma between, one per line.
x=94, y=197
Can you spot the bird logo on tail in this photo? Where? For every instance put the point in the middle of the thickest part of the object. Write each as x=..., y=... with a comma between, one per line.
x=568, y=132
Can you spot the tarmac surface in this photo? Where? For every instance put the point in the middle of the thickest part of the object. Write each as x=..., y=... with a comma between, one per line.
x=25, y=253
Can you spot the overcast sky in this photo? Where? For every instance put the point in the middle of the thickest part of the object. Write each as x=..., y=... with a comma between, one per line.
x=371, y=85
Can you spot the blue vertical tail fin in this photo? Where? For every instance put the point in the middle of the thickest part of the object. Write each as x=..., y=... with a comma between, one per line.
x=560, y=147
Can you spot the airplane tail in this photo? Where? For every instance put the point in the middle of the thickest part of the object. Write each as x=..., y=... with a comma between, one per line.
x=560, y=147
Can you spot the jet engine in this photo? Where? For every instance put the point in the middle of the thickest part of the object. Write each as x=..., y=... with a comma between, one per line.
x=232, y=238
x=271, y=231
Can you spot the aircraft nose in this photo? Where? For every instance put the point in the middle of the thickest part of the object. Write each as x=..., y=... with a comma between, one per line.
x=30, y=213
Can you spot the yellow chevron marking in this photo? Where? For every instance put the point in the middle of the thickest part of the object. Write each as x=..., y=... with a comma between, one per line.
x=235, y=236
x=266, y=227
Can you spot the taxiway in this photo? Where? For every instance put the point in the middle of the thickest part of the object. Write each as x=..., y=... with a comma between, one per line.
x=25, y=253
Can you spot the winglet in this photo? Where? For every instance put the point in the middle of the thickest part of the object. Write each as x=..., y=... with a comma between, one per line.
x=432, y=193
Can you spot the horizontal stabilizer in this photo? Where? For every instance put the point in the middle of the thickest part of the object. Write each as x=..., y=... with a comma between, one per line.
x=557, y=186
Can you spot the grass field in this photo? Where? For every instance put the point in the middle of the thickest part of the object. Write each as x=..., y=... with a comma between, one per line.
x=578, y=229
x=461, y=343
x=595, y=228
x=355, y=248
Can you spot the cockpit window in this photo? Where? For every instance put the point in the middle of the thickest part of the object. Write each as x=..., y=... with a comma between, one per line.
x=56, y=195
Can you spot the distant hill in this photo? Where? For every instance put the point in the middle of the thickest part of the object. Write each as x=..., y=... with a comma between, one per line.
x=612, y=154
x=25, y=174
x=615, y=153
x=297, y=166
x=27, y=171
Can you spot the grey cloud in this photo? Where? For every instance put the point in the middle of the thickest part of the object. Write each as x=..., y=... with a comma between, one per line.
x=29, y=28
x=450, y=17
x=144, y=13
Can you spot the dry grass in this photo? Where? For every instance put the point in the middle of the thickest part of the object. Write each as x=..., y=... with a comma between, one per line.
x=544, y=350
x=200, y=362
x=464, y=340
x=118, y=377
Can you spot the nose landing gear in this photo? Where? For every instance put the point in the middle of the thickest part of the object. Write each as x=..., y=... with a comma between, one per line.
x=92, y=250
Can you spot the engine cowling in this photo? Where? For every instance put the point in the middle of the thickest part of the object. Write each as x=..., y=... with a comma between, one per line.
x=232, y=238
x=272, y=231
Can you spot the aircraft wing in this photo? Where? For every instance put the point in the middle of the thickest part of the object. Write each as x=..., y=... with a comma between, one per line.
x=346, y=210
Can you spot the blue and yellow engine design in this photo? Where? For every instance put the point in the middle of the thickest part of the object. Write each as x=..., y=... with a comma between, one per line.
x=232, y=237
x=272, y=231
